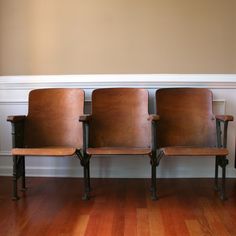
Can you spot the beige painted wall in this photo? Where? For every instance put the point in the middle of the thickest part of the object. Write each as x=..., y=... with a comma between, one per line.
x=117, y=36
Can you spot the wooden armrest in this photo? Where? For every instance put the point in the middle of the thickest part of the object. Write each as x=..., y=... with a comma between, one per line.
x=224, y=118
x=15, y=119
x=153, y=117
x=85, y=118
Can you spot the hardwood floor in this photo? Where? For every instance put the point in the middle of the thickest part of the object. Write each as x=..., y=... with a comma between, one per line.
x=53, y=206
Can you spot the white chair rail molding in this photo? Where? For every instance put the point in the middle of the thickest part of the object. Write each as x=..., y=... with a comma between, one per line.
x=14, y=92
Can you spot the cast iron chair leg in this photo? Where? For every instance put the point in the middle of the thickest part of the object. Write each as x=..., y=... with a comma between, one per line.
x=154, y=164
x=222, y=194
x=152, y=177
x=153, y=186
x=15, y=177
x=89, y=185
x=86, y=182
x=87, y=179
x=216, y=174
x=23, y=187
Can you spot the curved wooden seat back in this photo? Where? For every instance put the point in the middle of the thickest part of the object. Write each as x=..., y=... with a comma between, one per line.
x=53, y=118
x=186, y=117
x=120, y=118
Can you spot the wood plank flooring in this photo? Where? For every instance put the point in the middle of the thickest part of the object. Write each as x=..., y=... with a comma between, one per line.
x=53, y=207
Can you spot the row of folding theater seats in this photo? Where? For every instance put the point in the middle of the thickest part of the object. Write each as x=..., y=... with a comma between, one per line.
x=119, y=124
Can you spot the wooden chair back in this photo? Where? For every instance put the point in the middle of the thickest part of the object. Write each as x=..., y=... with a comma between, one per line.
x=120, y=118
x=53, y=117
x=186, y=117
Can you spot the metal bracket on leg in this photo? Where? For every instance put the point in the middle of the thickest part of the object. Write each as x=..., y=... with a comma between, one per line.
x=155, y=159
x=84, y=160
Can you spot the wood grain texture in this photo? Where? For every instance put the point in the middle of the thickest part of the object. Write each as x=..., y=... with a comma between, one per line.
x=53, y=207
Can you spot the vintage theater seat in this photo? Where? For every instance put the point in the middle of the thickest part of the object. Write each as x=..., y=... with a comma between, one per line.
x=188, y=127
x=119, y=125
x=51, y=128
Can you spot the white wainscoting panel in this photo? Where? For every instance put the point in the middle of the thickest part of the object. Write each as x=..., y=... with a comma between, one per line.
x=13, y=101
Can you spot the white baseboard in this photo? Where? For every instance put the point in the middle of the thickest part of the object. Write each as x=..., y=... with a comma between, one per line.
x=129, y=173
